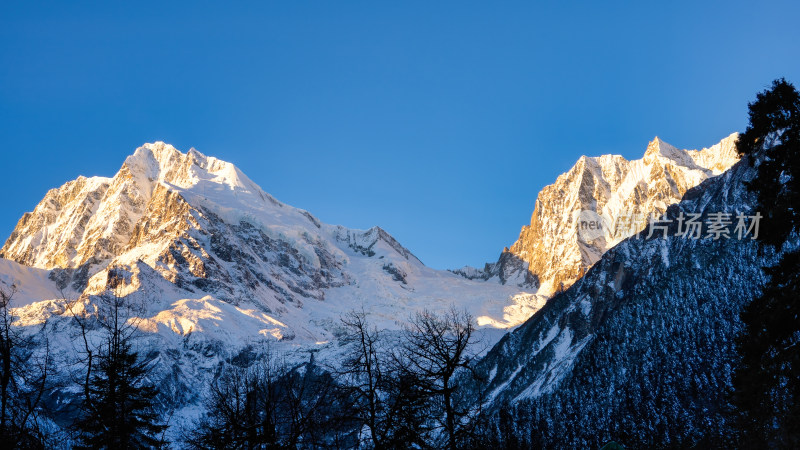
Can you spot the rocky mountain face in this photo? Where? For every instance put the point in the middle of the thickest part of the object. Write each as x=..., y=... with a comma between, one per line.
x=644, y=342
x=215, y=266
x=609, y=191
x=200, y=225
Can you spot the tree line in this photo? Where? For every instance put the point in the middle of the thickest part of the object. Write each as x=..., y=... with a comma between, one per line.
x=385, y=391
x=116, y=407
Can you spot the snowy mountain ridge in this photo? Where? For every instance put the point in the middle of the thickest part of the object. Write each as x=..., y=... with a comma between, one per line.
x=553, y=252
x=202, y=226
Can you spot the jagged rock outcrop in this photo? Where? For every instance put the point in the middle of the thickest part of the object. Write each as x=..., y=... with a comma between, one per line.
x=617, y=194
x=205, y=228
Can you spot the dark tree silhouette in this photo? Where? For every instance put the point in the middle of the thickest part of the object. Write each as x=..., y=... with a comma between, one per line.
x=768, y=381
x=268, y=405
x=772, y=140
x=767, y=391
x=243, y=410
x=24, y=379
x=408, y=409
x=385, y=393
x=773, y=118
x=436, y=349
x=363, y=375
x=118, y=405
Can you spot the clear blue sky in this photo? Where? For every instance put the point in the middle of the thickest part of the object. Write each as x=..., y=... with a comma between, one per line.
x=439, y=121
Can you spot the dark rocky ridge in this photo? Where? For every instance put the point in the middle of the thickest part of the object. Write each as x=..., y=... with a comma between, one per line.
x=644, y=342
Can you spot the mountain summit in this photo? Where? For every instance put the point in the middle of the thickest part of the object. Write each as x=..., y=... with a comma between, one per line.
x=611, y=189
x=190, y=229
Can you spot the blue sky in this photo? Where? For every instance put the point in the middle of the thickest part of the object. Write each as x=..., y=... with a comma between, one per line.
x=439, y=121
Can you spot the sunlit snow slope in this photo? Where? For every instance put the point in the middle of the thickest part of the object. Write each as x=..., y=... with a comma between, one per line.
x=209, y=251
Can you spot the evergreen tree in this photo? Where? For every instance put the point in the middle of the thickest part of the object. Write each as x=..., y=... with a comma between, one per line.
x=767, y=391
x=767, y=384
x=772, y=140
x=118, y=412
x=117, y=409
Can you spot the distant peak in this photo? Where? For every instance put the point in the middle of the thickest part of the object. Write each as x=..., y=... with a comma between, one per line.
x=655, y=145
x=163, y=162
x=157, y=144
x=151, y=159
x=157, y=152
x=658, y=147
x=160, y=149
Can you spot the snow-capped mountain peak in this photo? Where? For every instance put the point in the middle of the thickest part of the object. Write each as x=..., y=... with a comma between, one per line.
x=189, y=226
x=610, y=188
x=657, y=148
x=164, y=163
